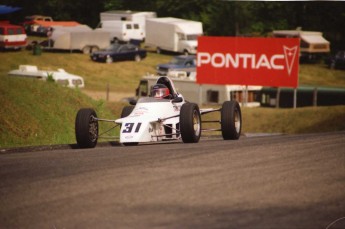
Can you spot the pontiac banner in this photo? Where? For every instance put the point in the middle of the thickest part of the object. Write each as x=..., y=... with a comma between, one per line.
x=248, y=61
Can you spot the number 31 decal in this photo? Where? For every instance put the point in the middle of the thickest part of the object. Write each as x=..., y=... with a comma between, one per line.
x=129, y=127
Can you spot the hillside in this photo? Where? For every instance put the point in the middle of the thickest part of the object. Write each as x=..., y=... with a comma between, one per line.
x=42, y=113
x=35, y=112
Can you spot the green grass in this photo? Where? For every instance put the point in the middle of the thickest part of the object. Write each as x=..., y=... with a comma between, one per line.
x=35, y=112
x=42, y=113
x=287, y=121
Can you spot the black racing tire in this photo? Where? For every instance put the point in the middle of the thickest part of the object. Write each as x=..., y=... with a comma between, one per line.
x=86, y=128
x=231, y=120
x=127, y=110
x=190, y=123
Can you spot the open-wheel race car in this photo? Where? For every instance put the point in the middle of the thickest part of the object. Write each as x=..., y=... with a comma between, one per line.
x=164, y=115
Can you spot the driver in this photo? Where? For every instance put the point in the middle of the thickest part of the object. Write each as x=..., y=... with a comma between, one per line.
x=160, y=91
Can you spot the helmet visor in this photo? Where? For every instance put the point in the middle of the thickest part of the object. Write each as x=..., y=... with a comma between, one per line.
x=160, y=92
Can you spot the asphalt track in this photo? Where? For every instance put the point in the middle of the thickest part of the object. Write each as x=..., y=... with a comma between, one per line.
x=283, y=181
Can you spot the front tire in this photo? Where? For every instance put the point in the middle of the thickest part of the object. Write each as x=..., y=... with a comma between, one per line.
x=231, y=120
x=190, y=123
x=86, y=128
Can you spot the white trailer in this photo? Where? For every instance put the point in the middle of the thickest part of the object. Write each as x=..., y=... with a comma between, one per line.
x=122, y=30
x=60, y=76
x=81, y=38
x=205, y=93
x=128, y=15
x=173, y=34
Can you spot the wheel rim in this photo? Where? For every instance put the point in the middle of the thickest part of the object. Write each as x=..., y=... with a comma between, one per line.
x=196, y=123
x=93, y=129
x=237, y=121
x=137, y=58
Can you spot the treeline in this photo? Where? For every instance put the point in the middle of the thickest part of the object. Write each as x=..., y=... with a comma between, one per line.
x=220, y=18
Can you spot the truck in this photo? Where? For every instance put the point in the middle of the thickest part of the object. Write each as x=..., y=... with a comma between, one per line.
x=122, y=31
x=205, y=93
x=173, y=34
x=81, y=38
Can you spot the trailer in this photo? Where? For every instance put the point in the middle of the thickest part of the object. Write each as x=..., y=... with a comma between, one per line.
x=138, y=17
x=122, y=31
x=203, y=93
x=173, y=34
x=60, y=76
x=313, y=45
x=81, y=38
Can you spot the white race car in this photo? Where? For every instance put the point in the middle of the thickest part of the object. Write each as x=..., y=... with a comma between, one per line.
x=164, y=115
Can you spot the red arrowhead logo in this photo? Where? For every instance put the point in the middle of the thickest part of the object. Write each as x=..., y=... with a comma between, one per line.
x=290, y=55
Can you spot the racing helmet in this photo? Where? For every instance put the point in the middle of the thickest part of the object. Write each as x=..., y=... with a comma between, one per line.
x=160, y=91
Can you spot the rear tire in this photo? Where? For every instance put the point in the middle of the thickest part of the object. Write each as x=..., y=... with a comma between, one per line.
x=231, y=120
x=190, y=123
x=86, y=128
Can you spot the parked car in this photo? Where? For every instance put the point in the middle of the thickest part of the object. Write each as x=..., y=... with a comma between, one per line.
x=118, y=52
x=181, y=63
x=30, y=25
x=337, y=60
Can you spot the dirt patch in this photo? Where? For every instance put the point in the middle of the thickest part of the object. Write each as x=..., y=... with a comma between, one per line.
x=111, y=96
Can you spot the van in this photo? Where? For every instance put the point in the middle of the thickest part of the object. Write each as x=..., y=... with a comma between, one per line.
x=123, y=30
x=12, y=36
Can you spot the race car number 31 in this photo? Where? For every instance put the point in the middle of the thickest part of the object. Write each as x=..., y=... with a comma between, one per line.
x=128, y=127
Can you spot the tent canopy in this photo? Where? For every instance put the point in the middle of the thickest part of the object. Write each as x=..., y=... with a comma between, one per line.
x=8, y=9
